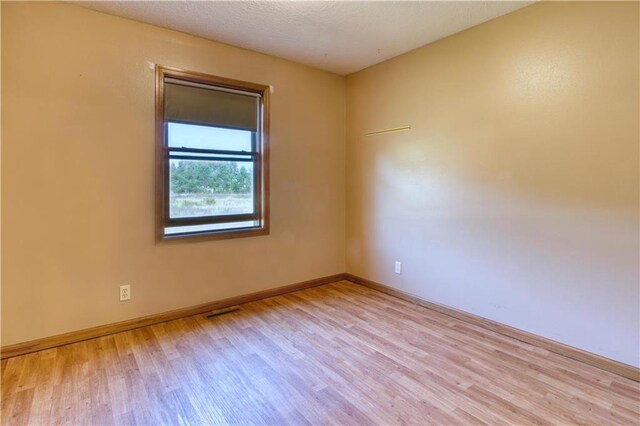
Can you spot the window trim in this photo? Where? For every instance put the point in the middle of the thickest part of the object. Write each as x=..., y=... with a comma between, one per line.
x=261, y=165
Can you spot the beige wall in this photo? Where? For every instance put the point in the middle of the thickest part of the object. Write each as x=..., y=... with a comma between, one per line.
x=515, y=194
x=77, y=174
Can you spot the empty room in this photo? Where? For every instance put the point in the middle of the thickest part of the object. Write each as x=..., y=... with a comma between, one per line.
x=320, y=213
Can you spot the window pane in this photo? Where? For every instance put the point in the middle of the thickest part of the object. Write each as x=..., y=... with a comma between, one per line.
x=210, y=188
x=205, y=137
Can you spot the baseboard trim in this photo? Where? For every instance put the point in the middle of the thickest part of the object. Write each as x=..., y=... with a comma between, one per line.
x=598, y=361
x=104, y=330
x=592, y=359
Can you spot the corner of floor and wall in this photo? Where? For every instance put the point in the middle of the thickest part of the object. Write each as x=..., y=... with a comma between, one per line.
x=512, y=195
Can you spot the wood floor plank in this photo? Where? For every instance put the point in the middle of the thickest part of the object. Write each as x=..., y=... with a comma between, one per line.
x=336, y=354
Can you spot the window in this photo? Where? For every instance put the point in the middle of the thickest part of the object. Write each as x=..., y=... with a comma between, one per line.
x=212, y=156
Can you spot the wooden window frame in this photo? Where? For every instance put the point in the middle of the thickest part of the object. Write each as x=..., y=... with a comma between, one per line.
x=261, y=164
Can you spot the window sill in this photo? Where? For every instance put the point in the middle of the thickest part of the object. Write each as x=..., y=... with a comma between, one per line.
x=213, y=235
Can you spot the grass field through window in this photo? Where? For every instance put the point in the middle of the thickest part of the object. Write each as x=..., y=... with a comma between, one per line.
x=193, y=205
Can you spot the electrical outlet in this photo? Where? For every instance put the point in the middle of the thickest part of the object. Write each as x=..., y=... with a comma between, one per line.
x=125, y=292
x=398, y=269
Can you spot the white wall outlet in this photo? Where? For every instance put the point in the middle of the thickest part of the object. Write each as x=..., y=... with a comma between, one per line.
x=398, y=268
x=125, y=292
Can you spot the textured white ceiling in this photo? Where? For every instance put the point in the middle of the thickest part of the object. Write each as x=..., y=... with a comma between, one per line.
x=338, y=36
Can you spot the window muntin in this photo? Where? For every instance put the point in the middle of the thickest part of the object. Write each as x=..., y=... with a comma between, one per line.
x=213, y=149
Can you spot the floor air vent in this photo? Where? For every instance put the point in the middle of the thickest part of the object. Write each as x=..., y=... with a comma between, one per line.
x=223, y=311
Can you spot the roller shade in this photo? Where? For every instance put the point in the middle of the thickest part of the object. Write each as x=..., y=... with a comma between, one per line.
x=211, y=107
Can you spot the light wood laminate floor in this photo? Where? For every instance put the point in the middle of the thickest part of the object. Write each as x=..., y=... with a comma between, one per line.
x=336, y=354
